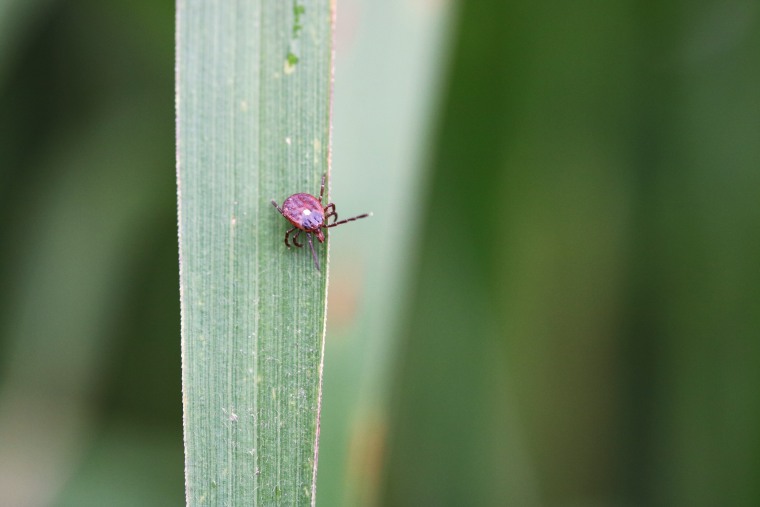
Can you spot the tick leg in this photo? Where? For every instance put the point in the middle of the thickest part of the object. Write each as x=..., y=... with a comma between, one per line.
x=294, y=238
x=289, y=231
x=331, y=212
x=334, y=217
x=322, y=188
x=347, y=220
x=313, y=253
x=278, y=208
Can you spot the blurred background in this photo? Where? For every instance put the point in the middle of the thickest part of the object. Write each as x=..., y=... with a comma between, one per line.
x=556, y=303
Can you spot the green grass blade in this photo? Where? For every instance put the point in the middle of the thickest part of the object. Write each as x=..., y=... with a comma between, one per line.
x=253, y=106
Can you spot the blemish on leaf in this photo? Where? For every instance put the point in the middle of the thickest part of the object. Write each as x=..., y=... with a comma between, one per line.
x=317, y=144
x=292, y=58
x=290, y=64
x=298, y=12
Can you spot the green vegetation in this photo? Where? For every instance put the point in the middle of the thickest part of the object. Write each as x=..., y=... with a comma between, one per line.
x=253, y=125
x=554, y=302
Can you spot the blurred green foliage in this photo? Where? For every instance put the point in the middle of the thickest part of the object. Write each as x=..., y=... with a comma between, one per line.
x=90, y=405
x=584, y=326
x=579, y=282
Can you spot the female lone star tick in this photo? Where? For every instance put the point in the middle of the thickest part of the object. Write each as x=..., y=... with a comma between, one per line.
x=307, y=214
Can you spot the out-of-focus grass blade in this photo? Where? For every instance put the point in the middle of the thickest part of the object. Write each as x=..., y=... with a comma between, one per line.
x=17, y=17
x=253, y=105
x=379, y=165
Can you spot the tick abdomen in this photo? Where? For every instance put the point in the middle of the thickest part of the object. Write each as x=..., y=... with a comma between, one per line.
x=304, y=211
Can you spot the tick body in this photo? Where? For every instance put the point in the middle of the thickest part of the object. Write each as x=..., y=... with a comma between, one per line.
x=306, y=213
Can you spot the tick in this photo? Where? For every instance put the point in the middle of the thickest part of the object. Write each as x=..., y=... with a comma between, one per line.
x=307, y=214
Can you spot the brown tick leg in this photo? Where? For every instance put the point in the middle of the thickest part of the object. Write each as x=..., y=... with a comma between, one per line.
x=313, y=253
x=329, y=211
x=294, y=238
x=289, y=231
x=347, y=220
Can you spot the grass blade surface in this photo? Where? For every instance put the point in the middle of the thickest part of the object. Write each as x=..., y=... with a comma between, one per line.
x=253, y=106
